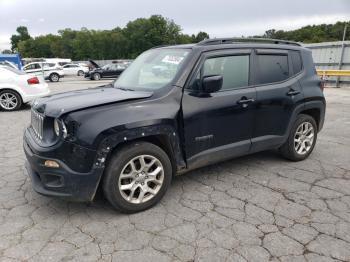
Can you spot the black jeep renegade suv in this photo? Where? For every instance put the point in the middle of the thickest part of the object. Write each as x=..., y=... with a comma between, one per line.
x=174, y=109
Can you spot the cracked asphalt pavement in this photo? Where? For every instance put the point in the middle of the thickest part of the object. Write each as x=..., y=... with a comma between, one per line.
x=254, y=208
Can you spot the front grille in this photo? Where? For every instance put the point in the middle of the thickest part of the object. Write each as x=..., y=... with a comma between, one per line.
x=37, y=124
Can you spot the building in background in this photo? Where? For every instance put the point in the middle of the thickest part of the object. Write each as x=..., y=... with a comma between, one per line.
x=329, y=55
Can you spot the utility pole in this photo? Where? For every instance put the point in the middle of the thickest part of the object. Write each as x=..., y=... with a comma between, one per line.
x=341, y=54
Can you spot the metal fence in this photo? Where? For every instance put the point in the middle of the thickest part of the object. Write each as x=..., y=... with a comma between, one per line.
x=332, y=55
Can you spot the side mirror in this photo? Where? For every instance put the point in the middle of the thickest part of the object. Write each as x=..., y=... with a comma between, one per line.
x=212, y=84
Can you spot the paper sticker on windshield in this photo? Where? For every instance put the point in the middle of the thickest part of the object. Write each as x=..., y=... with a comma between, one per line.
x=172, y=59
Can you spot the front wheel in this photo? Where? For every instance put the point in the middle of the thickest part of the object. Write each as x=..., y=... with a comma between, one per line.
x=54, y=77
x=301, y=140
x=80, y=73
x=137, y=177
x=96, y=76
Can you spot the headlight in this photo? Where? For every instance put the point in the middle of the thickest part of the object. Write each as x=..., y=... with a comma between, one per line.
x=56, y=127
x=59, y=127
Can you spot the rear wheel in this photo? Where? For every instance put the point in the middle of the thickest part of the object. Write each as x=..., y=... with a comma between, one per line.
x=10, y=100
x=54, y=77
x=137, y=177
x=301, y=140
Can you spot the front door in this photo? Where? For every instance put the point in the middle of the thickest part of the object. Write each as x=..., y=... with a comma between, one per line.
x=34, y=69
x=219, y=125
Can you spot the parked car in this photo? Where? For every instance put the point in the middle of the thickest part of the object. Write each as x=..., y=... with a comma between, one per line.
x=75, y=69
x=17, y=88
x=50, y=71
x=220, y=99
x=106, y=71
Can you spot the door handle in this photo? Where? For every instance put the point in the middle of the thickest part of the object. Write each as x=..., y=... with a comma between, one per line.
x=293, y=92
x=245, y=100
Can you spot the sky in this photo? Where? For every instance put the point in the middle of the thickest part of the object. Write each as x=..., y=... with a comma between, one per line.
x=219, y=18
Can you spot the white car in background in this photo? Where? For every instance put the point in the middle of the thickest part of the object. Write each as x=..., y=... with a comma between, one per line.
x=75, y=69
x=17, y=88
x=50, y=71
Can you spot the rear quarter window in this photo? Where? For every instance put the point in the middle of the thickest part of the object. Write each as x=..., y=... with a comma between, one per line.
x=272, y=68
x=296, y=61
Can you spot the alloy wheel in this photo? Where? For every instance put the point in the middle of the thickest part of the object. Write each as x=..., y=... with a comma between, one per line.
x=304, y=138
x=141, y=179
x=8, y=101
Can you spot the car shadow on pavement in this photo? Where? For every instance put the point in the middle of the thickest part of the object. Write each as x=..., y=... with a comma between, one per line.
x=101, y=206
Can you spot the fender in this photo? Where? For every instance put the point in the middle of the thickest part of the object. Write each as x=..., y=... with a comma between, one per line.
x=314, y=104
x=112, y=141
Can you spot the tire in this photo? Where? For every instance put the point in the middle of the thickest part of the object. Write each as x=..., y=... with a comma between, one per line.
x=299, y=144
x=80, y=73
x=119, y=172
x=96, y=76
x=54, y=77
x=10, y=100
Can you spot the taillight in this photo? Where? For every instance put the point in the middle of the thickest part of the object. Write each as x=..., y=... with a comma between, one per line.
x=32, y=81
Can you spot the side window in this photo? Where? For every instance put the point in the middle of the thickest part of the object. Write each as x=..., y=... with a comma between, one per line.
x=233, y=69
x=32, y=66
x=296, y=61
x=114, y=67
x=272, y=68
x=37, y=66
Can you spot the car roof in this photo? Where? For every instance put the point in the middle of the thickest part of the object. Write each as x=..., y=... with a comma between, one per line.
x=238, y=43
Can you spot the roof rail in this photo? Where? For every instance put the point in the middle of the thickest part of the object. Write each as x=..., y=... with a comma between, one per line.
x=219, y=41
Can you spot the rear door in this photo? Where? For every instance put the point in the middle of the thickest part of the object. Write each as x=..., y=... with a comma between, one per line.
x=219, y=125
x=278, y=93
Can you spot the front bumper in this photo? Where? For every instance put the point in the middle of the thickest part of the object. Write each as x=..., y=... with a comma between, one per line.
x=62, y=182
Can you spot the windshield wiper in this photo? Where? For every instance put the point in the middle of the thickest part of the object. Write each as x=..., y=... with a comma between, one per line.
x=125, y=89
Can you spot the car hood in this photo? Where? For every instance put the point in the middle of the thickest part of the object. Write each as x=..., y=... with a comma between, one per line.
x=94, y=63
x=59, y=104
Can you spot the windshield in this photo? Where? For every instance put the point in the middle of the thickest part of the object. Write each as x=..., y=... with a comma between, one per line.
x=152, y=70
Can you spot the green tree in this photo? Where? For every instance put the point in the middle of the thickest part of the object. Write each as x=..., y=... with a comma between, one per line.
x=128, y=42
x=200, y=37
x=22, y=35
x=311, y=33
x=6, y=51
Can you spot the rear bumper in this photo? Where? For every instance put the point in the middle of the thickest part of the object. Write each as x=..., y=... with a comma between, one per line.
x=60, y=182
x=28, y=98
